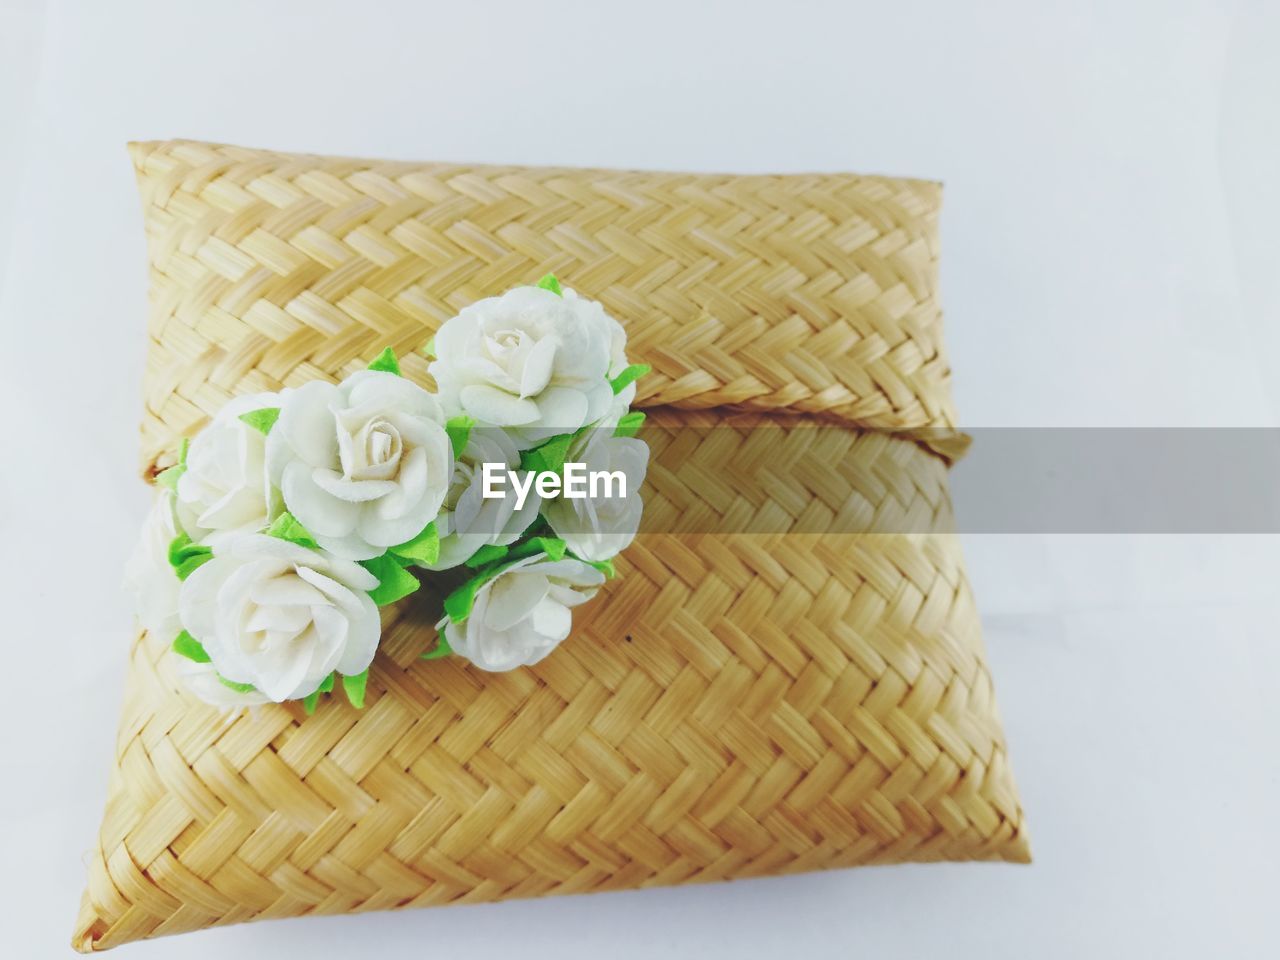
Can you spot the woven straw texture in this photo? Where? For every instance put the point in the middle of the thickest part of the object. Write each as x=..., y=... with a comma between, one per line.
x=734, y=704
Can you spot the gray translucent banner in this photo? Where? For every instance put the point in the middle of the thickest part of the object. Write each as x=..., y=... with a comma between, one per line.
x=1119, y=480
x=775, y=475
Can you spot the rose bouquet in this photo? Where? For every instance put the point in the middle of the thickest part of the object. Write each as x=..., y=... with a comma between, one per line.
x=292, y=516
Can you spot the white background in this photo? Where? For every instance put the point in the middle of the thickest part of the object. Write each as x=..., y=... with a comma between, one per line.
x=1113, y=185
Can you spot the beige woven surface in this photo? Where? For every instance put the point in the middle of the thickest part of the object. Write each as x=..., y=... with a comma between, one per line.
x=732, y=705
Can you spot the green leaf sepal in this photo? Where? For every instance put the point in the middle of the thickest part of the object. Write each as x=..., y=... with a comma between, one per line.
x=629, y=424
x=186, y=557
x=394, y=581
x=354, y=687
x=424, y=548
x=185, y=645
x=604, y=566
x=386, y=362
x=459, y=430
x=485, y=555
x=169, y=477
x=287, y=527
x=629, y=376
x=262, y=419
x=549, y=456
x=310, y=700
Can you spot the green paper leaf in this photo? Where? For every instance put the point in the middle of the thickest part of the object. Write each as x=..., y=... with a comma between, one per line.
x=548, y=456
x=459, y=430
x=628, y=376
x=287, y=527
x=394, y=582
x=424, y=548
x=186, y=557
x=486, y=554
x=184, y=644
x=430, y=349
x=310, y=700
x=237, y=687
x=440, y=650
x=169, y=478
x=386, y=362
x=604, y=566
x=629, y=424
x=354, y=687
x=553, y=547
x=458, y=603
x=549, y=282
x=262, y=419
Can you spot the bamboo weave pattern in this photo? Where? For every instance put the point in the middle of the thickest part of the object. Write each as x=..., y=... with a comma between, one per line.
x=732, y=705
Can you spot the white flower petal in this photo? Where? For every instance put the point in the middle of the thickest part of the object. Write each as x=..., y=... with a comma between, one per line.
x=600, y=400
x=148, y=575
x=351, y=547
x=331, y=626
x=362, y=640
x=484, y=370
x=330, y=590
x=491, y=405
x=256, y=547
x=395, y=530
x=198, y=599
x=386, y=391
x=573, y=572
x=283, y=681
x=512, y=598
x=287, y=620
x=222, y=487
x=287, y=590
x=537, y=367
x=552, y=619
x=455, y=551
x=562, y=409
x=410, y=488
x=240, y=507
x=202, y=680
x=307, y=426
x=352, y=491
x=317, y=510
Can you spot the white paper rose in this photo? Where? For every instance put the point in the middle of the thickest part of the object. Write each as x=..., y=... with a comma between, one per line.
x=224, y=486
x=363, y=465
x=600, y=527
x=148, y=574
x=468, y=520
x=523, y=613
x=617, y=342
x=530, y=361
x=280, y=616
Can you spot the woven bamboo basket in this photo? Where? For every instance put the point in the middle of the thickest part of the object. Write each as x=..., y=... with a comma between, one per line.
x=784, y=677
